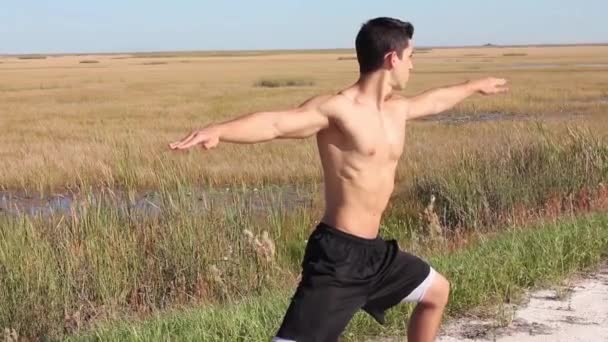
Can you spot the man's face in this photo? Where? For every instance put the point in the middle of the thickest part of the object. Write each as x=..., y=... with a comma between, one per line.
x=402, y=66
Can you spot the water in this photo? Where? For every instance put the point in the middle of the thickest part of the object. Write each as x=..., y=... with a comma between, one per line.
x=533, y=65
x=16, y=203
x=455, y=119
x=152, y=203
x=551, y=65
x=592, y=65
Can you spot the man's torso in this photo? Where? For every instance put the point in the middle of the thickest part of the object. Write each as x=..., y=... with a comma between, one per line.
x=359, y=153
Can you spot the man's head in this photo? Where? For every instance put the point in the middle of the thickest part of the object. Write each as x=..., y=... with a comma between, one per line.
x=386, y=44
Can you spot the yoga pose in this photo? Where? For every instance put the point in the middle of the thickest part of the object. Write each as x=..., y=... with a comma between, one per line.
x=360, y=133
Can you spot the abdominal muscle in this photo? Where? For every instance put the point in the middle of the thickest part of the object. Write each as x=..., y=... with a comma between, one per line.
x=356, y=198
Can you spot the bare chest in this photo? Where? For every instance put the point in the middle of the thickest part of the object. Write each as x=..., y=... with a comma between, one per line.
x=377, y=137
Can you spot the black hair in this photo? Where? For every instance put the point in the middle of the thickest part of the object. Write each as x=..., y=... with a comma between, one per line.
x=379, y=36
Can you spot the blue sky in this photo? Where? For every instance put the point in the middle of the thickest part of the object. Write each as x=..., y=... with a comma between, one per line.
x=45, y=26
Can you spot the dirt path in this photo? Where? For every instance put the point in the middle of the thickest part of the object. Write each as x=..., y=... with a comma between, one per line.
x=580, y=315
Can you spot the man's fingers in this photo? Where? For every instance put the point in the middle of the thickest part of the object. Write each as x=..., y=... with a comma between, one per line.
x=191, y=137
x=501, y=81
x=198, y=139
x=176, y=144
x=189, y=141
x=186, y=145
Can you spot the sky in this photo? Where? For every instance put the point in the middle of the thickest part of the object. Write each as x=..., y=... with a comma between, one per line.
x=77, y=26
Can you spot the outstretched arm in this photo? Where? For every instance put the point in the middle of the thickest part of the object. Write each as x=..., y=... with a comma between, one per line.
x=437, y=100
x=300, y=122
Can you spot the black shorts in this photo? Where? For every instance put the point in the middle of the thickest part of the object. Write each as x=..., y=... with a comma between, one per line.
x=342, y=273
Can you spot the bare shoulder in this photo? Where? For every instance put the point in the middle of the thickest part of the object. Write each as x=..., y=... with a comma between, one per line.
x=316, y=100
x=328, y=104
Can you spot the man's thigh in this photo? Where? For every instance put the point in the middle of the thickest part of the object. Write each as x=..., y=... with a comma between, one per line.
x=407, y=278
x=319, y=313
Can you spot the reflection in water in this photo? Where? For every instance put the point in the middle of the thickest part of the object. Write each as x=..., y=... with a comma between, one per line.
x=155, y=203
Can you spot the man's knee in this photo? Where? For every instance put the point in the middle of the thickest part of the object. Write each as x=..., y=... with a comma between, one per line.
x=438, y=293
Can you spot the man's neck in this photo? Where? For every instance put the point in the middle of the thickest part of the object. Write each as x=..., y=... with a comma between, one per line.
x=373, y=89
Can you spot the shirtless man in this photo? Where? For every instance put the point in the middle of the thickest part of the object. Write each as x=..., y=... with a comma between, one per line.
x=360, y=136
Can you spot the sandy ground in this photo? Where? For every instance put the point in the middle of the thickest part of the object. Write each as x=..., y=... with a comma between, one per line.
x=576, y=313
x=579, y=315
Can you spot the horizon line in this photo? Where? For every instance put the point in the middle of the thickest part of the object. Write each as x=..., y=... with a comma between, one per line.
x=424, y=47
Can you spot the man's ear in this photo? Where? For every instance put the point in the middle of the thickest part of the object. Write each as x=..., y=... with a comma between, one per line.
x=390, y=59
x=394, y=57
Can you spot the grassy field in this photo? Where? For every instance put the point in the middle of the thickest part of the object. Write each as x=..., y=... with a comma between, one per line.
x=147, y=231
x=69, y=125
x=487, y=272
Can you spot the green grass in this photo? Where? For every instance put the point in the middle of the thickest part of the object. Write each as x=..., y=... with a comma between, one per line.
x=283, y=82
x=495, y=270
x=550, y=175
x=108, y=259
x=105, y=260
x=154, y=63
x=32, y=57
x=514, y=54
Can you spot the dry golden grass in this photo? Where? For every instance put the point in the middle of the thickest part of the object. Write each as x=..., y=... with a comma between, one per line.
x=70, y=125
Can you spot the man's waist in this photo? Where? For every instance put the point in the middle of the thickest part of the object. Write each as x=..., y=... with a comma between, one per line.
x=354, y=223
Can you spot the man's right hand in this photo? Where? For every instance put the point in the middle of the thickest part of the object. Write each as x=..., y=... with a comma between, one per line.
x=207, y=137
x=490, y=86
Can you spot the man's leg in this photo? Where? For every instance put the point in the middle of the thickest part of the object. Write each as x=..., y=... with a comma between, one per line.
x=319, y=313
x=407, y=278
x=425, y=320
